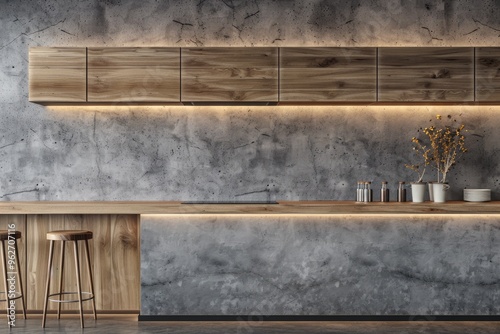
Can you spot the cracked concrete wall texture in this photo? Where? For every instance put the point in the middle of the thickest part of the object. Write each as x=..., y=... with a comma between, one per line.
x=227, y=153
x=330, y=265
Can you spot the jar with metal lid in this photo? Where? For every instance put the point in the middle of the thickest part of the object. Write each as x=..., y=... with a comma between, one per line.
x=360, y=191
x=384, y=192
x=368, y=192
x=401, y=192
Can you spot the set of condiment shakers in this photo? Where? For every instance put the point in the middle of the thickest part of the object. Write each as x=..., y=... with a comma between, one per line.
x=364, y=192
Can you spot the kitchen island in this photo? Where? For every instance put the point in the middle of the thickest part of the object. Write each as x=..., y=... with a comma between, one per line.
x=310, y=258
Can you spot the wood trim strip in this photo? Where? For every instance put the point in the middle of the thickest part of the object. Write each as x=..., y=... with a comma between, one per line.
x=282, y=208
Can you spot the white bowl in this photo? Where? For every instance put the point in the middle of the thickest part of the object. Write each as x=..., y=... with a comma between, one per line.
x=477, y=195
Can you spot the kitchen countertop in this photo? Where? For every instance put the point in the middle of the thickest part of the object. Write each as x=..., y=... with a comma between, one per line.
x=282, y=207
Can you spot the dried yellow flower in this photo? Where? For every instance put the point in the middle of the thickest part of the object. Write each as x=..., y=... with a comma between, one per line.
x=419, y=149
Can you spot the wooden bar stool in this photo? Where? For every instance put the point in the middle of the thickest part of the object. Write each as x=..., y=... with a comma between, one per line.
x=75, y=236
x=10, y=237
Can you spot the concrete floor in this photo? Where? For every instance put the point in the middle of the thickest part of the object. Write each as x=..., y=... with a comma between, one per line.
x=129, y=325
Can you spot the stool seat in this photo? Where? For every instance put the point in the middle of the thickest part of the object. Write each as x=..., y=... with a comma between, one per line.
x=69, y=235
x=4, y=234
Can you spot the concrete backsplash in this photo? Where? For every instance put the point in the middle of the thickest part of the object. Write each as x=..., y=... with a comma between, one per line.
x=229, y=153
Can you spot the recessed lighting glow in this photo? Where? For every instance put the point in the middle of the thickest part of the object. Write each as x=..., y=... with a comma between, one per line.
x=329, y=215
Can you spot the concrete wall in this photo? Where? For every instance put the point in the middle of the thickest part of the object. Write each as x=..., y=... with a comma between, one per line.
x=320, y=265
x=138, y=153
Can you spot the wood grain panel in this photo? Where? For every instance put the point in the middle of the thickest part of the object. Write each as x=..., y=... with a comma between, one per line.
x=426, y=74
x=488, y=74
x=116, y=289
x=57, y=74
x=229, y=74
x=134, y=75
x=328, y=74
x=116, y=260
x=20, y=225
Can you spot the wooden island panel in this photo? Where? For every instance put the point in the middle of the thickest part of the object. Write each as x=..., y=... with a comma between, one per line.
x=488, y=74
x=229, y=74
x=328, y=74
x=57, y=74
x=440, y=74
x=116, y=260
x=133, y=74
x=114, y=252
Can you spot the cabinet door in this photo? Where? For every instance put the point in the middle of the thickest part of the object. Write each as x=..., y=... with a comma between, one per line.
x=426, y=74
x=488, y=74
x=134, y=75
x=57, y=74
x=229, y=74
x=328, y=74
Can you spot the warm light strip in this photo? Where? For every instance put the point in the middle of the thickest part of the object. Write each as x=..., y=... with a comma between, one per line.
x=325, y=215
x=431, y=109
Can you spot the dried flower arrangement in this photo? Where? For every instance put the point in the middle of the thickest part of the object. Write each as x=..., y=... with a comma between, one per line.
x=447, y=145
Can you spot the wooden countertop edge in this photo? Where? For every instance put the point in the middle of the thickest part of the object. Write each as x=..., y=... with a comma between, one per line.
x=283, y=207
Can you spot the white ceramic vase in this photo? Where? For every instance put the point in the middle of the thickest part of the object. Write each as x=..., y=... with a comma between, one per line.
x=439, y=191
x=417, y=192
x=431, y=192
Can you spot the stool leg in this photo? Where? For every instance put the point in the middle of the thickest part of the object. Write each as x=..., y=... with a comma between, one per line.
x=61, y=277
x=90, y=278
x=49, y=268
x=77, y=264
x=20, y=278
x=4, y=267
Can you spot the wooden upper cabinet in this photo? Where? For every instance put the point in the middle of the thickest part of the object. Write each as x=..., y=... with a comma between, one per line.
x=488, y=74
x=328, y=74
x=57, y=74
x=264, y=74
x=230, y=74
x=426, y=74
x=133, y=74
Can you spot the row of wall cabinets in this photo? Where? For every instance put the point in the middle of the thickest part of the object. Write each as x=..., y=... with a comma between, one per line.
x=264, y=74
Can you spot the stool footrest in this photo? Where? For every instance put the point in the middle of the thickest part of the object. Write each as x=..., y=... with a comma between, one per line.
x=17, y=296
x=70, y=300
